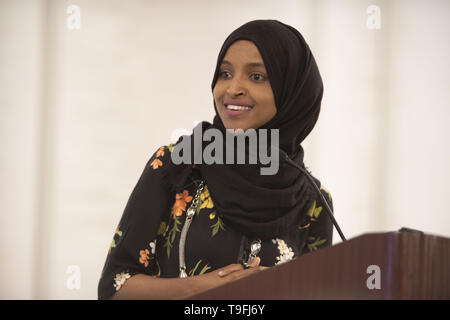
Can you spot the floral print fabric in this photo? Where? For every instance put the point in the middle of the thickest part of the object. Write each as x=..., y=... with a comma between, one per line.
x=147, y=237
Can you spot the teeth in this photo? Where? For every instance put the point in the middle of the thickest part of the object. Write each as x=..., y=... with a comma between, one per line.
x=232, y=107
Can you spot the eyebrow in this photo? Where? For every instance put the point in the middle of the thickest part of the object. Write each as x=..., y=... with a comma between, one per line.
x=251, y=64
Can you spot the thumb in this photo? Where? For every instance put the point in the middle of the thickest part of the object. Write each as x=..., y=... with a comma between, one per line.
x=255, y=262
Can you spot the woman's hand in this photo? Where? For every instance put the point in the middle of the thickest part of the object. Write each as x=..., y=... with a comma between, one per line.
x=225, y=271
x=229, y=273
x=142, y=286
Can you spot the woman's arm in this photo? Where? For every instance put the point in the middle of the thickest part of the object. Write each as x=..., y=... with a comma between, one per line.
x=143, y=286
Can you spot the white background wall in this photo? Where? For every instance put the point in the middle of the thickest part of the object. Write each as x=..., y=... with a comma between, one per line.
x=81, y=112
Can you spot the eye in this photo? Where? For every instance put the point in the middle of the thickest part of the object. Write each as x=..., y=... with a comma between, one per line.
x=255, y=76
x=222, y=73
x=260, y=77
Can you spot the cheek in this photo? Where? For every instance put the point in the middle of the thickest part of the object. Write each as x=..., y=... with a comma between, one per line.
x=267, y=100
x=217, y=91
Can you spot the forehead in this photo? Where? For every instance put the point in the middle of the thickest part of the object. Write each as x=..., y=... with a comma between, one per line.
x=243, y=50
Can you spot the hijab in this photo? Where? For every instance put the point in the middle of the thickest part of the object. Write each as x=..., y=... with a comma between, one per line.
x=265, y=206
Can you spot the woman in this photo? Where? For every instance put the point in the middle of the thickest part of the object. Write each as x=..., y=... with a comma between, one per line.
x=241, y=221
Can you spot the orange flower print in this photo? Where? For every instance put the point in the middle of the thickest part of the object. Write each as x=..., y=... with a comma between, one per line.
x=180, y=203
x=144, y=257
x=160, y=152
x=156, y=164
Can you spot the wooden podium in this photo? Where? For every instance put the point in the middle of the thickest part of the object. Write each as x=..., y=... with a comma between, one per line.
x=411, y=265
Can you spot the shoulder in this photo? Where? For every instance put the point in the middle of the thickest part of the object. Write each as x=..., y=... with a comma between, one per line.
x=160, y=157
x=326, y=194
x=324, y=198
x=321, y=198
x=161, y=168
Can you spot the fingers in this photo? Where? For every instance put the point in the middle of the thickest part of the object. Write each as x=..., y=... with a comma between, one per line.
x=225, y=271
x=243, y=273
x=230, y=269
x=255, y=262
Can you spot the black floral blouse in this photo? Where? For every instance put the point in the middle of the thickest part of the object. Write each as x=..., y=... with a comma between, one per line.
x=147, y=237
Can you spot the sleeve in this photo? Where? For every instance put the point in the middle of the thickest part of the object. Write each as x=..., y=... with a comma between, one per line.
x=132, y=249
x=320, y=233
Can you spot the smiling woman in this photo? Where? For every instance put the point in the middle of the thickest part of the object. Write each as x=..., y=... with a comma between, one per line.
x=243, y=94
x=189, y=228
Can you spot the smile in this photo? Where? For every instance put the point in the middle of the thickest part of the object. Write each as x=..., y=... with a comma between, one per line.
x=233, y=107
x=234, y=111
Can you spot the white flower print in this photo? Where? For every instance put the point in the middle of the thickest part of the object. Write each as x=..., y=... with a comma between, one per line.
x=152, y=246
x=120, y=279
x=286, y=253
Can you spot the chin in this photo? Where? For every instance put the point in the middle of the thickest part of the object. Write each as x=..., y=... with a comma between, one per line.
x=244, y=128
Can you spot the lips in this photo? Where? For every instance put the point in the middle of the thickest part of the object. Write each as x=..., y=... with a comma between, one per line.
x=238, y=112
x=236, y=103
x=236, y=108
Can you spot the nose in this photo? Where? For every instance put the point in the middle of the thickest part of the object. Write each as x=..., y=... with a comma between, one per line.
x=235, y=88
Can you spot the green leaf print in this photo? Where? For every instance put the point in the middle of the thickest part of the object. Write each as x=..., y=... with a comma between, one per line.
x=175, y=229
x=204, y=269
x=311, y=210
x=171, y=235
x=314, y=211
x=327, y=192
x=316, y=244
x=192, y=272
x=162, y=228
x=217, y=226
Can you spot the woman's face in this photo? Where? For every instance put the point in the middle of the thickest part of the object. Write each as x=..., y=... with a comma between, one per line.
x=243, y=81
